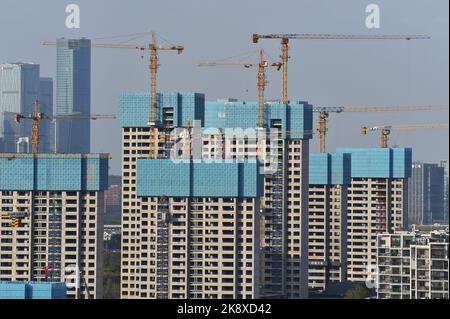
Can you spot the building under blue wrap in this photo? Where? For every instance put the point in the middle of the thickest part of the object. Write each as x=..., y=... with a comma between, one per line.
x=329, y=169
x=157, y=177
x=32, y=290
x=54, y=172
x=296, y=117
x=179, y=108
x=379, y=162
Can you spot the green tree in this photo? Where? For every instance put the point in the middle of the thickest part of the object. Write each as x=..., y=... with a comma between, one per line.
x=111, y=275
x=358, y=291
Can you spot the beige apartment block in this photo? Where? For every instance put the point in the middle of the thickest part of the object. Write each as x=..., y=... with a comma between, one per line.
x=377, y=203
x=375, y=206
x=217, y=246
x=329, y=177
x=327, y=236
x=54, y=235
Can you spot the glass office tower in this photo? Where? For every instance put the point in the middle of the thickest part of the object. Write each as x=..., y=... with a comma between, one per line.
x=19, y=87
x=73, y=94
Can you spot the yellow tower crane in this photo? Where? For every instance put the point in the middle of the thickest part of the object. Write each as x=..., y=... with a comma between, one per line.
x=154, y=48
x=324, y=113
x=36, y=117
x=261, y=78
x=386, y=130
x=285, y=47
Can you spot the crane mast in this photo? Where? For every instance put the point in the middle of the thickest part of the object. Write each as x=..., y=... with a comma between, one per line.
x=284, y=71
x=35, y=117
x=153, y=73
x=261, y=88
x=322, y=130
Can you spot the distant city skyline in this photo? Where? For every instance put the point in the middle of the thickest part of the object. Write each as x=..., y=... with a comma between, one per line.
x=20, y=85
x=323, y=73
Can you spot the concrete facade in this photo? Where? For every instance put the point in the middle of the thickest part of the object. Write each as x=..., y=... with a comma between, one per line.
x=413, y=264
x=329, y=176
x=255, y=246
x=52, y=219
x=377, y=203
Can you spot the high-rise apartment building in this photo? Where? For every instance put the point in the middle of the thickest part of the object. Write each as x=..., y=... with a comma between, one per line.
x=285, y=154
x=201, y=239
x=377, y=202
x=224, y=229
x=20, y=85
x=426, y=194
x=136, y=263
x=329, y=177
x=73, y=94
x=51, y=225
x=413, y=264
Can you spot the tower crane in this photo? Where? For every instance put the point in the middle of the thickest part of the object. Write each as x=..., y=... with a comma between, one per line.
x=37, y=116
x=154, y=48
x=261, y=78
x=285, y=47
x=324, y=113
x=386, y=130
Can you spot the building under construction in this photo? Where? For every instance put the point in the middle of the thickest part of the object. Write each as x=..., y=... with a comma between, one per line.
x=329, y=179
x=377, y=203
x=225, y=229
x=51, y=227
x=356, y=194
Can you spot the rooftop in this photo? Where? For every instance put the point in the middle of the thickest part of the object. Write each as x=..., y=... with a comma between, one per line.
x=54, y=172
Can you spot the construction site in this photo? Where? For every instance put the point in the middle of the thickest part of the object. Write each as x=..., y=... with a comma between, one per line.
x=220, y=199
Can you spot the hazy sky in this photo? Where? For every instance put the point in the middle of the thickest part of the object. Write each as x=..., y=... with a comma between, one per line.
x=325, y=73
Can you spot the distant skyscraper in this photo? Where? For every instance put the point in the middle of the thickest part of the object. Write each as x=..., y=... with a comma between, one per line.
x=426, y=194
x=444, y=164
x=19, y=87
x=46, y=106
x=73, y=94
